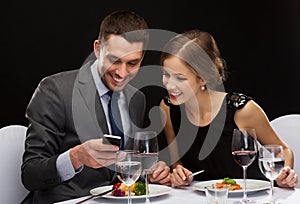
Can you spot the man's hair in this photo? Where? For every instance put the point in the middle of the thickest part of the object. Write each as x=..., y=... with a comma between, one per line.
x=123, y=23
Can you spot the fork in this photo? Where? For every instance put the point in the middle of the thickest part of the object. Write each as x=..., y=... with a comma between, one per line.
x=194, y=174
x=95, y=196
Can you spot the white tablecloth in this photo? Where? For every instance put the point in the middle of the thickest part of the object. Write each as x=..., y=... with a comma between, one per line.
x=188, y=195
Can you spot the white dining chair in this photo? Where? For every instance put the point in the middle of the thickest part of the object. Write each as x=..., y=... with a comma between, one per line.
x=288, y=128
x=12, y=139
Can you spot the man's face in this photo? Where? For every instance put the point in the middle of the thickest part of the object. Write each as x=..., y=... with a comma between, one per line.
x=119, y=61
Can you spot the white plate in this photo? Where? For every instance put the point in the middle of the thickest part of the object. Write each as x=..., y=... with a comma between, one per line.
x=252, y=185
x=155, y=190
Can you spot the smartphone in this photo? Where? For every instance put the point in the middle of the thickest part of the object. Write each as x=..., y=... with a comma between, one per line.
x=112, y=139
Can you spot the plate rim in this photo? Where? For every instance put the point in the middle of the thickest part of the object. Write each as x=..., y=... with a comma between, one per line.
x=166, y=188
x=267, y=185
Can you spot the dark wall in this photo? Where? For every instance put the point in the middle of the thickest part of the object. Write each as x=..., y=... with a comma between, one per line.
x=260, y=40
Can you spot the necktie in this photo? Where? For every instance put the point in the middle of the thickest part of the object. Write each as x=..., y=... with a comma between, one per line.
x=115, y=117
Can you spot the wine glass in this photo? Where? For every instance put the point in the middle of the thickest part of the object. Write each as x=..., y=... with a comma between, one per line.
x=244, y=150
x=146, y=143
x=128, y=168
x=271, y=162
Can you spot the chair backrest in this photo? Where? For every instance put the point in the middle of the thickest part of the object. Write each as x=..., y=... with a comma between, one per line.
x=11, y=151
x=288, y=128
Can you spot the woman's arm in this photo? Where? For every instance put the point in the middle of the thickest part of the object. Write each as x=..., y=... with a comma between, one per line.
x=170, y=135
x=178, y=176
x=253, y=116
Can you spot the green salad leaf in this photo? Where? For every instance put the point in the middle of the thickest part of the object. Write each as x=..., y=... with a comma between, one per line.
x=229, y=181
x=140, y=188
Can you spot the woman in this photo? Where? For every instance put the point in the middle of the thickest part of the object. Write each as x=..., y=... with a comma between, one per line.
x=200, y=116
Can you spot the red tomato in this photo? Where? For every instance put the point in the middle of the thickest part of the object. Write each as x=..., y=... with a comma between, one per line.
x=116, y=185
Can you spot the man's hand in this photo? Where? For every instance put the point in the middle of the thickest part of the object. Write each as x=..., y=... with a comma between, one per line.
x=93, y=153
x=160, y=173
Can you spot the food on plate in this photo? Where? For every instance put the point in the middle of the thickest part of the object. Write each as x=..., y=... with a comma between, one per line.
x=230, y=183
x=136, y=189
x=140, y=188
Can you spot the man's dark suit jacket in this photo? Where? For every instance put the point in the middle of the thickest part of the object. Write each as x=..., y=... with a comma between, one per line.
x=65, y=111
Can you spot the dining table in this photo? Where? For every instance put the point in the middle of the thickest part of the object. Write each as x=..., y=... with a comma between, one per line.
x=189, y=195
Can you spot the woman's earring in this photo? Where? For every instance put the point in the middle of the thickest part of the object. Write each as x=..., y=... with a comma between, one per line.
x=167, y=100
x=203, y=88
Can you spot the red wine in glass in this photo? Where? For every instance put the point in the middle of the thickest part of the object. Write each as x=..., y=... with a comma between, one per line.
x=244, y=157
x=244, y=151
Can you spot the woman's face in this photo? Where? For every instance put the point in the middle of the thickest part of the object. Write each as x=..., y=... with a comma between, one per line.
x=180, y=81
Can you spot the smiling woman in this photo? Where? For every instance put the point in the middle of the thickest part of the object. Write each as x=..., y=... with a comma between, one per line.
x=201, y=115
x=181, y=84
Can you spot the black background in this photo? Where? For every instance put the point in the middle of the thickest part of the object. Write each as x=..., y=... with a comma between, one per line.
x=260, y=40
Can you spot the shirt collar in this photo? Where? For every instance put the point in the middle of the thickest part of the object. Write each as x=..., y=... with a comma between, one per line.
x=102, y=89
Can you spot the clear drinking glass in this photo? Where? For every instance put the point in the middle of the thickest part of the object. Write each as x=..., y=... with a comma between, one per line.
x=146, y=143
x=128, y=168
x=244, y=151
x=271, y=162
x=216, y=195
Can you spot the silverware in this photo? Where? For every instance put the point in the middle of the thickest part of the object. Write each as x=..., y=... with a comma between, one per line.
x=95, y=196
x=194, y=174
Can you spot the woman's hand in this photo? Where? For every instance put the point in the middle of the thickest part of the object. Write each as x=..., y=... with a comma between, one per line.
x=160, y=173
x=179, y=176
x=288, y=178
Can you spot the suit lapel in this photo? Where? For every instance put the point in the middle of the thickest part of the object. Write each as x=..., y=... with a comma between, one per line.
x=94, y=123
x=90, y=96
x=100, y=114
x=136, y=109
x=136, y=105
x=128, y=95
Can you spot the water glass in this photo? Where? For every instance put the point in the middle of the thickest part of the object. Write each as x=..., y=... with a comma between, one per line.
x=147, y=144
x=216, y=195
x=271, y=162
x=128, y=168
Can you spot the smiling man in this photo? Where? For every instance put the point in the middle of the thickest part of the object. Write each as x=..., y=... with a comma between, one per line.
x=119, y=60
x=70, y=112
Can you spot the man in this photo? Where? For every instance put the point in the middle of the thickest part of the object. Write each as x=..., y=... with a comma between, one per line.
x=69, y=113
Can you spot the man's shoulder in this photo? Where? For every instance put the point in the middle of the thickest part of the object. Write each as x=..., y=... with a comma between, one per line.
x=63, y=75
x=131, y=90
x=62, y=80
x=71, y=74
